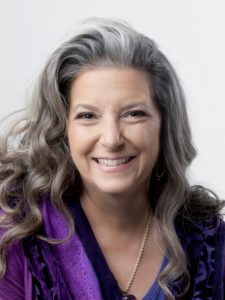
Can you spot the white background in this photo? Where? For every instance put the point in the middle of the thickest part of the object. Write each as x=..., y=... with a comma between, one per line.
x=190, y=32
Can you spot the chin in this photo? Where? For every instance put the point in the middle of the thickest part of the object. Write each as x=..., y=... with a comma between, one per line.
x=114, y=189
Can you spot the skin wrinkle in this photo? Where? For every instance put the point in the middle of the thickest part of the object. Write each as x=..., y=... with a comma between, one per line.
x=108, y=121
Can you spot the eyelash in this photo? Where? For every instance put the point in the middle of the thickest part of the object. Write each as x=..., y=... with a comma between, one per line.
x=136, y=114
x=90, y=115
x=84, y=115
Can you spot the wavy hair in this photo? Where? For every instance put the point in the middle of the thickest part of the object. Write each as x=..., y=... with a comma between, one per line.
x=35, y=156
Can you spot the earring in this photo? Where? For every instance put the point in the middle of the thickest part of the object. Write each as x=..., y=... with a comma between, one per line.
x=159, y=174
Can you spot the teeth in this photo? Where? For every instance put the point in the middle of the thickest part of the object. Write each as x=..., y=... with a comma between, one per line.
x=113, y=162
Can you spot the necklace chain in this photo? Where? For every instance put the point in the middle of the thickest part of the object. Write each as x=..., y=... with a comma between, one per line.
x=137, y=263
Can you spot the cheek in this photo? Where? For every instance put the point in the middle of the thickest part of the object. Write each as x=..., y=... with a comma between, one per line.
x=151, y=145
x=151, y=138
x=75, y=147
x=80, y=142
x=146, y=138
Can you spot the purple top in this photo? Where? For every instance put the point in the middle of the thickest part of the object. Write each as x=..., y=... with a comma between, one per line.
x=17, y=283
x=66, y=272
x=67, y=263
x=155, y=292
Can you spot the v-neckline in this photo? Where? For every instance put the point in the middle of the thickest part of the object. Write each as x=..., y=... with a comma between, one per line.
x=107, y=281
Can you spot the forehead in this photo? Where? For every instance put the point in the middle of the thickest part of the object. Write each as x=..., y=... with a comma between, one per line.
x=111, y=84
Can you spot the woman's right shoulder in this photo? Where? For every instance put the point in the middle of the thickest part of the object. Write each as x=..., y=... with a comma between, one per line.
x=17, y=281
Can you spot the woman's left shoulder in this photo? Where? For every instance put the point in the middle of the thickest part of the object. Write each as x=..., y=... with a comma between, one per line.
x=203, y=241
x=202, y=236
x=200, y=226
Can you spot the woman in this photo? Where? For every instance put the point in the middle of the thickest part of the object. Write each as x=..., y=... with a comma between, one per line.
x=94, y=196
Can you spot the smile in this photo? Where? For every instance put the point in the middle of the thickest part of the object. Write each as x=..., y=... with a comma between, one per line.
x=113, y=162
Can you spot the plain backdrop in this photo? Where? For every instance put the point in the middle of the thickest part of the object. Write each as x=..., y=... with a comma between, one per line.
x=189, y=32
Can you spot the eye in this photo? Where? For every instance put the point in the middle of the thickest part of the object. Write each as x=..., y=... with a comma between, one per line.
x=136, y=114
x=85, y=115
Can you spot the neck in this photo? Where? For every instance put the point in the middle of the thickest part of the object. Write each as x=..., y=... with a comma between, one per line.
x=116, y=212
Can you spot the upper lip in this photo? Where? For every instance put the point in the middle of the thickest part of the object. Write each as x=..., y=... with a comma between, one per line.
x=114, y=158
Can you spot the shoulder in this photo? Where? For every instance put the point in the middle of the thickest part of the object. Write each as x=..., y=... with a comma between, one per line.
x=202, y=230
x=202, y=238
x=200, y=218
x=17, y=281
x=203, y=241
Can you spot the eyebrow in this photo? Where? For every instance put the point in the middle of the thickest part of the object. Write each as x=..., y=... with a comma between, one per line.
x=90, y=106
x=87, y=106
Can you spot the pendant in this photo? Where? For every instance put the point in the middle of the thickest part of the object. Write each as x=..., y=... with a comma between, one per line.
x=128, y=297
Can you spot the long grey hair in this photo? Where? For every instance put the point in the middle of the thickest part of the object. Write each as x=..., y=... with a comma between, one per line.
x=35, y=156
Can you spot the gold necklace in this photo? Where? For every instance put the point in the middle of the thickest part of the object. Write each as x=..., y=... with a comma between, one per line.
x=124, y=293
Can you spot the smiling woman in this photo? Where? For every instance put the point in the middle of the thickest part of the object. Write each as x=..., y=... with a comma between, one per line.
x=117, y=125
x=94, y=198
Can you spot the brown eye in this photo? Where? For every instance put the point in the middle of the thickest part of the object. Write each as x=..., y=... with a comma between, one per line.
x=135, y=114
x=86, y=115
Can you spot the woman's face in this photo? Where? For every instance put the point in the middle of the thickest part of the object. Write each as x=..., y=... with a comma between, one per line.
x=113, y=129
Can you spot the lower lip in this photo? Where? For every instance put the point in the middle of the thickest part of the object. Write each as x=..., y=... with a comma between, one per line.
x=117, y=168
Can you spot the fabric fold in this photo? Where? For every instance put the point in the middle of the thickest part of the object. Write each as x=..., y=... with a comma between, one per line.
x=78, y=270
x=63, y=267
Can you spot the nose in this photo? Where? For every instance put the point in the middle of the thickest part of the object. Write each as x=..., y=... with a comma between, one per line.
x=111, y=135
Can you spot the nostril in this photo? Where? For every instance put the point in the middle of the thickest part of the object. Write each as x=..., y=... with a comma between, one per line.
x=112, y=141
